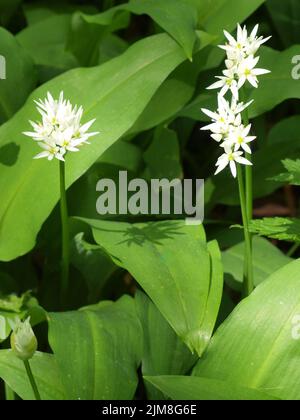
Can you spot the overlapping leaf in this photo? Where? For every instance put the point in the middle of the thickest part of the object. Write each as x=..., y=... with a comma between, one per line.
x=98, y=350
x=176, y=359
x=115, y=93
x=205, y=389
x=267, y=258
x=258, y=345
x=174, y=265
x=45, y=371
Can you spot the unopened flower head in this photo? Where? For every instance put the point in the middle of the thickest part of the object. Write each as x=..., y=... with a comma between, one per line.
x=60, y=130
x=23, y=340
x=226, y=125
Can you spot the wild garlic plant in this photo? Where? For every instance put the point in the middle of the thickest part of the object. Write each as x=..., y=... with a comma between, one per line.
x=230, y=124
x=59, y=133
x=24, y=345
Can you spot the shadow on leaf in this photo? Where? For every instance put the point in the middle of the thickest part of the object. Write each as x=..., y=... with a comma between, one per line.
x=9, y=154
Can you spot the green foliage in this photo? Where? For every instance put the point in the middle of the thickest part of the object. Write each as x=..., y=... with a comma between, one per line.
x=20, y=76
x=164, y=258
x=266, y=260
x=256, y=347
x=205, y=389
x=284, y=229
x=176, y=358
x=98, y=350
x=104, y=92
x=292, y=174
x=163, y=316
x=45, y=371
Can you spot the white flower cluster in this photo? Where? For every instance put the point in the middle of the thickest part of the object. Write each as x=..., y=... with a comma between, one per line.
x=60, y=130
x=227, y=127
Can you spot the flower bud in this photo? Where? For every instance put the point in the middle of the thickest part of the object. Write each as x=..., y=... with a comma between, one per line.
x=23, y=341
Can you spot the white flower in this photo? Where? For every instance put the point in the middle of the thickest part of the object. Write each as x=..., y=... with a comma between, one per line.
x=231, y=158
x=225, y=119
x=235, y=48
x=227, y=82
x=253, y=43
x=245, y=45
x=240, y=61
x=50, y=151
x=247, y=71
x=239, y=138
x=60, y=130
x=226, y=125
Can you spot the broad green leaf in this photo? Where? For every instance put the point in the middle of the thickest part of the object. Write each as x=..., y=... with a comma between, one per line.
x=45, y=371
x=115, y=93
x=165, y=143
x=36, y=12
x=124, y=155
x=93, y=264
x=216, y=15
x=267, y=258
x=47, y=46
x=271, y=92
x=175, y=359
x=17, y=76
x=292, y=174
x=286, y=19
x=110, y=47
x=173, y=264
x=88, y=31
x=98, y=350
x=215, y=291
x=284, y=229
x=182, y=388
x=177, y=18
x=177, y=90
x=258, y=345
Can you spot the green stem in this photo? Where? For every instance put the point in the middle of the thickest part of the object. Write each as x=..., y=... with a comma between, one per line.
x=248, y=285
x=248, y=170
x=293, y=249
x=32, y=380
x=65, y=233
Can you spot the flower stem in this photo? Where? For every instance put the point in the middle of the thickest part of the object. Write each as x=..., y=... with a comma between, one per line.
x=248, y=169
x=248, y=285
x=65, y=233
x=32, y=380
x=293, y=249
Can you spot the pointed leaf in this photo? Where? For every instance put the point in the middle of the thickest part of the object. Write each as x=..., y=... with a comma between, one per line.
x=182, y=388
x=258, y=345
x=98, y=350
x=44, y=369
x=173, y=264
